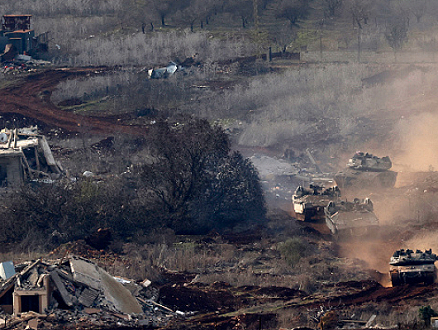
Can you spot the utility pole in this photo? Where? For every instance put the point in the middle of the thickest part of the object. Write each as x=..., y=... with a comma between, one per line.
x=359, y=30
x=256, y=14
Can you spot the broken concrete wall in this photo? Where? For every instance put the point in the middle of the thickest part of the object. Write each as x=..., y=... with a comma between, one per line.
x=97, y=278
x=32, y=299
x=11, y=172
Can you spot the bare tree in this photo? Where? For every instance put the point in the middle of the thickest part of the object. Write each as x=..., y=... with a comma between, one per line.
x=397, y=35
x=418, y=8
x=140, y=16
x=293, y=10
x=196, y=11
x=163, y=8
x=333, y=6
x=284, y=36
x=194, y=181
x=244, y=9
x=360, y=11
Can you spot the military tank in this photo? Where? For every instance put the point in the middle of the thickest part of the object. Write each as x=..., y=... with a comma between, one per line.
x=356, y=218
x=409, y=267
x=309, y=203
x=365, y=170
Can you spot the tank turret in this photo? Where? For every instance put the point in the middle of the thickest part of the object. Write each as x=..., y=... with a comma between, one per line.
x=309, y=203
x=407, y=266
x=366, y=170
x=368, y=162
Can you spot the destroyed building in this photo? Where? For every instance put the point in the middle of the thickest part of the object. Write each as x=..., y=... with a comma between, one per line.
x=17, y=37
x=73, y=288
x=25, y=155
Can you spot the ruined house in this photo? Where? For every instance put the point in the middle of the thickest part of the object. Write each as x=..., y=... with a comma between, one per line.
x=25, y=155
x=74, y=287
x=17, y=37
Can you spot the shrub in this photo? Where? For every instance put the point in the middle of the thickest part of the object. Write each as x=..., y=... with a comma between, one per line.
x=293, y=250
x=194, y=183
x=425, y=313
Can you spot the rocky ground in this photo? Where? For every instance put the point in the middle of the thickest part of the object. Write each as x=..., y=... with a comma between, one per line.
x=243, y=281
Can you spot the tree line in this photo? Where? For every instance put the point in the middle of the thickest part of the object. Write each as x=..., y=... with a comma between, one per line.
x=104, y=32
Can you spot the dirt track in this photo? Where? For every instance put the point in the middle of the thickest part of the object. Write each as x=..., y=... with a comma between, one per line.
x=265, y=302
x=30, y=97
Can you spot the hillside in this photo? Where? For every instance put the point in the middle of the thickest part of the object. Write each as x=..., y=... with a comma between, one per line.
x=179, y=195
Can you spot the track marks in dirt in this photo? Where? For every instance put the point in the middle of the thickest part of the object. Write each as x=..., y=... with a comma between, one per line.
x=358, y=293
x=30, y=97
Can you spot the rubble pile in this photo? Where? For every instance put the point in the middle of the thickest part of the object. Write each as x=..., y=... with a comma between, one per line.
x=25, y=155
x=82, y=249
x=75, y=292
x=21, y=66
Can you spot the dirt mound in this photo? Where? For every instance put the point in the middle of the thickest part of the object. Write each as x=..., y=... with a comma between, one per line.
x=190, y=299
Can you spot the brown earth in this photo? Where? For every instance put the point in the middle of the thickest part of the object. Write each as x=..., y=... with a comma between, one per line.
x=220, y=305
x=30, y=97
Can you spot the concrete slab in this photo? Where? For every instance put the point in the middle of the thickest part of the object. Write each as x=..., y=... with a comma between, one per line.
x=7, y=270
x=85, y=272
x=117, y=294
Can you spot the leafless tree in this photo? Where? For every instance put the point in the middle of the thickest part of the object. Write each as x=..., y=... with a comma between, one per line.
x=194, y=181
x=198, y=10
x=333, y=6
x=163, y=8
x=244, y=9
x=360, y=11
x=293, y=10
x=284, y=36
x=397, y=35
x=418, y=8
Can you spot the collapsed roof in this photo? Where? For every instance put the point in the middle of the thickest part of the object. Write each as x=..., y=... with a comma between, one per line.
x=75, y=287
x=25, y=155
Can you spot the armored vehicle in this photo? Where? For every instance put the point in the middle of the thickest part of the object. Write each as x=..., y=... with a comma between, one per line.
x=407, y=266
x=355, y=218
x=365, y=170
x=309, y=203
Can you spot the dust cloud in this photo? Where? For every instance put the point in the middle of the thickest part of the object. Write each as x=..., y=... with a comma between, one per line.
x=375, y=253
x=418, y=142
x=423, y=240
x=392, y=209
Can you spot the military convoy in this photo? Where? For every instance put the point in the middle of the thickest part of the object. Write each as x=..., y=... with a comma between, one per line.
x=357, y=218
x=343, y=218
x=409, y=267
x=365, y=170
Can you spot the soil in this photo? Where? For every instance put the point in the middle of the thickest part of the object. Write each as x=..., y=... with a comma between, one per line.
x=28, y=99
x=220, y=305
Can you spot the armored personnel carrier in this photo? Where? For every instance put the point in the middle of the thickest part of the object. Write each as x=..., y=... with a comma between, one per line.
x=354, y=218
x=365, y=170
x=407, y=266
x=309, y=203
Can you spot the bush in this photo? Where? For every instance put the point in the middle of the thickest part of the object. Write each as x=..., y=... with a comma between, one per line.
x=293, y=250
x=194, y=184
x=425, y=313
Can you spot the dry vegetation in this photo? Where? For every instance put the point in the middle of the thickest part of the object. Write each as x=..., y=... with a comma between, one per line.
x=334, y=107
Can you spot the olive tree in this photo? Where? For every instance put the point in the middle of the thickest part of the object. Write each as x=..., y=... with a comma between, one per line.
x=195, y=183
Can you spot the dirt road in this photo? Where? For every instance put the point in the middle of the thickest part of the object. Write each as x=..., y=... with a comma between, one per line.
x=29, y=96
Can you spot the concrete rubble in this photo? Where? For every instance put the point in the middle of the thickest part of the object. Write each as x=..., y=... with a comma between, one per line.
x=74, y=292
x=25, y=155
